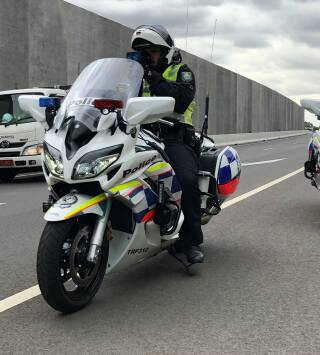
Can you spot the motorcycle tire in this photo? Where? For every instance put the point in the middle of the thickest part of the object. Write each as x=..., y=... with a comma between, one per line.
x=62, y=258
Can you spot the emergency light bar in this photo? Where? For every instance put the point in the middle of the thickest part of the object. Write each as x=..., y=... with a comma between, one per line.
x=49, y=102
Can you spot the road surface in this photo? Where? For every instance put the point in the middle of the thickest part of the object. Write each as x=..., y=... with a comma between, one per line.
x=258, y=291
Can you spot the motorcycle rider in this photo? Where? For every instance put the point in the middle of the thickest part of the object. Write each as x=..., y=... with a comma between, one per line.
x=315, y=147
x=165, y=75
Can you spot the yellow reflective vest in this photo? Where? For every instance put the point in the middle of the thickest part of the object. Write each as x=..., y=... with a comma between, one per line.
x=171, y=74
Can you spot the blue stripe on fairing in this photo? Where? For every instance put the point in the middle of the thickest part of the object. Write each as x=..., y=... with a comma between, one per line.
x=136, y=191
x=224, y=175
x=139, y=216
x=175, y=184
x=151, y=197
x=165, y=175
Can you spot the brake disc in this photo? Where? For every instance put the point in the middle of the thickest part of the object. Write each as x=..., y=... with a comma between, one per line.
x=82, y=271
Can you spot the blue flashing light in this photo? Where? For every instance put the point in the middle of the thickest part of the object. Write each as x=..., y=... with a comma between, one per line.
x=50, y=102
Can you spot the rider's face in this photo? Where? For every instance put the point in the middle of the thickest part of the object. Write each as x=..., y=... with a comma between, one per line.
x=155, y=54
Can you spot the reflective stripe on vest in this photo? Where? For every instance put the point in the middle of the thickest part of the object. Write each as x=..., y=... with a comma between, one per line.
x=171, y=74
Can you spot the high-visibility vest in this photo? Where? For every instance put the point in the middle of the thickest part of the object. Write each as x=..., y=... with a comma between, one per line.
x=171, y=74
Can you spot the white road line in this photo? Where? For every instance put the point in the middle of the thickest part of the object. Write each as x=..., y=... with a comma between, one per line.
x=34, y=291
x=267, y=148
x=260, y=189
x=263, y=162
x=2, y=203
x=19, y=298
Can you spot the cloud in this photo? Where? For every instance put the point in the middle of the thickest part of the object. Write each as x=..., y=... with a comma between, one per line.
x=275, y=42
x=134, y=13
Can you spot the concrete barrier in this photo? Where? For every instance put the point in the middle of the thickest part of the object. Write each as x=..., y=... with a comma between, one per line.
x=245, y=138
x=48, y=42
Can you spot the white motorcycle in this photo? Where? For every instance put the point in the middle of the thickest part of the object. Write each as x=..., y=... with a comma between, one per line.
x=312, y=165
x=114, y=198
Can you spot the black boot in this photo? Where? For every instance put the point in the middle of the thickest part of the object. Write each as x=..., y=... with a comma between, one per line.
x=194, y=255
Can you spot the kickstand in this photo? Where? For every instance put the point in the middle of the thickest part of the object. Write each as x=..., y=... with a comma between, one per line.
x=186, y=265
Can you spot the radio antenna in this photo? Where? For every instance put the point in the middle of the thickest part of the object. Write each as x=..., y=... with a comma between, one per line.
x=187, y=28
x=213, y=37
x=204, y=130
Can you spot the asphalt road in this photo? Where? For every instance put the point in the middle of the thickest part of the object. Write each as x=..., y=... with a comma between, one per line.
x=258, y=291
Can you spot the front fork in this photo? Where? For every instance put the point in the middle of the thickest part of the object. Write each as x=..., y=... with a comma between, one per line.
x=98, y=234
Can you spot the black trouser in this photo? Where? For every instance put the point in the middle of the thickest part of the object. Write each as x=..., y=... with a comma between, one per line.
x=185, y=164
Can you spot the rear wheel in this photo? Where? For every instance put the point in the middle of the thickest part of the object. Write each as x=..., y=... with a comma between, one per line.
x=66, y=279
x=7, y=176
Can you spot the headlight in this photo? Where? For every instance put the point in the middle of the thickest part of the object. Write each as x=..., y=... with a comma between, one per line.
x=94, y=163
x=33, y=150
x=87, y=170
x=53, y=160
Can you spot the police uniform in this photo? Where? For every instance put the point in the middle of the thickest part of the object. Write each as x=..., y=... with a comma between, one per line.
x=177, y=81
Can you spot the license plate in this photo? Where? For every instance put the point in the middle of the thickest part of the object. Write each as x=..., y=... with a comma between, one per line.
x=6, y=162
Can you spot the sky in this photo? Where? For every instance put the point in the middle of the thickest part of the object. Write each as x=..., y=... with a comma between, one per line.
x=274, y=42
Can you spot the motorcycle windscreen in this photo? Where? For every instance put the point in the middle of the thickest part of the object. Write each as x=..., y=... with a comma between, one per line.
x=111, y=78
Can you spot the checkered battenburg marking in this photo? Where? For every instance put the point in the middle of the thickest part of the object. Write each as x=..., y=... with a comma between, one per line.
x=142, y=197
x=229, y=167
x=157, y=172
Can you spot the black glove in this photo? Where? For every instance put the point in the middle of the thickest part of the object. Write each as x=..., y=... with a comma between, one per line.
x=139, y=57
x=152, y=76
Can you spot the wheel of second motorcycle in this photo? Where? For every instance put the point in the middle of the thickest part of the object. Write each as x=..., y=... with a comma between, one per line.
x=67, y=281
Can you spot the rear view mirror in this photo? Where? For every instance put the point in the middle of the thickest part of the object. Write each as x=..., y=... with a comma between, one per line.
x=30, y=105
x=148, y=109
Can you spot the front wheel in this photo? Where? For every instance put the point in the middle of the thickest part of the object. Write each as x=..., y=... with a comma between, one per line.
x=66, y=279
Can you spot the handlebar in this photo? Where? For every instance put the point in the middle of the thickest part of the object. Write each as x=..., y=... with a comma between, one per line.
x=168, y=123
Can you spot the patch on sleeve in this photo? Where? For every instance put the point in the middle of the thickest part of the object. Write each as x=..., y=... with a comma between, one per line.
x=186, y=76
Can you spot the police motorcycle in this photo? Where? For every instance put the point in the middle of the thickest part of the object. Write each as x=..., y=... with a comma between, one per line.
x=114, y=198
x=312, y=165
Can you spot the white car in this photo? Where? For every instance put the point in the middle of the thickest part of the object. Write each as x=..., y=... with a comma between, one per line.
x=20, y=135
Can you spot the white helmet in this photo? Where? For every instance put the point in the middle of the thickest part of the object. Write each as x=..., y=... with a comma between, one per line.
x=147, y=36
